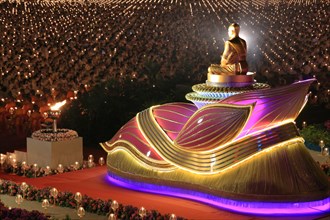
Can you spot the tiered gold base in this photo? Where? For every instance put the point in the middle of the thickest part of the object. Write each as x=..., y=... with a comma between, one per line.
x=207, y=94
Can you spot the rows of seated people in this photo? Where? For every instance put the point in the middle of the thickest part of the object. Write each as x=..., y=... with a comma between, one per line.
x=62, y=47
x=23, y=116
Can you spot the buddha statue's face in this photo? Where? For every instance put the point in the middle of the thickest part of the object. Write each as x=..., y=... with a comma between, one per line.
x=233, y=32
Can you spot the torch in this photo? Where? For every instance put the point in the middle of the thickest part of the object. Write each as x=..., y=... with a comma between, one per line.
x=55, y=112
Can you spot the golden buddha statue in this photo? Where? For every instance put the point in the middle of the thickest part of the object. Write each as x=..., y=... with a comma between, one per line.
x=233, y=60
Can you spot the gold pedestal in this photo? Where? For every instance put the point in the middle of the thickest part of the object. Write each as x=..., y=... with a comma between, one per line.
x=224, y=79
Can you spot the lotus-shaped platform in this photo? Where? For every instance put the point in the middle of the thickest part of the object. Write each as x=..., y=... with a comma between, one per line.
x=236, y=148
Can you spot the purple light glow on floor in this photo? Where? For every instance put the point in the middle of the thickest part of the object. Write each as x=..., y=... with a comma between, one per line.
x=260, y=208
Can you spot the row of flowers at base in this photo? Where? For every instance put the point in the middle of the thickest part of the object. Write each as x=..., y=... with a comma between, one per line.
x=19, y=214
x=67, y=199
x=32, y=171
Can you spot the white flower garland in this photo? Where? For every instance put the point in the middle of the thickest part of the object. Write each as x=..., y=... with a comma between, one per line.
x=49, y=135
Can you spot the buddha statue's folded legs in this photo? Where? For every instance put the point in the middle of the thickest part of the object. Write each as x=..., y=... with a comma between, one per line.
x=222, y=70
x=232, y=69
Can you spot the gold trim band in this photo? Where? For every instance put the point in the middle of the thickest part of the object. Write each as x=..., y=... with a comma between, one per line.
x=229, y=78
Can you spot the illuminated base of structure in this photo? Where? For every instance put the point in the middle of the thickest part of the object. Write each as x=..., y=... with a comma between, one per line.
x=253, y=186
x=261, y=208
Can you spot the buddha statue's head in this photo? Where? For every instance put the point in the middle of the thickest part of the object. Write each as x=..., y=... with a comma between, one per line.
x=233, y=30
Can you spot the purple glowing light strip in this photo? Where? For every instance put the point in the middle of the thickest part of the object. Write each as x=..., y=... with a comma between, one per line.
x=261, y=208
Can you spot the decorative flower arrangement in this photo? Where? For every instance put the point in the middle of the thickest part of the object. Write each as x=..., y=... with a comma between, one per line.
x=8, y=214
x=30, y=171
x=325, y=167
x=49, y=135
x=67, y=199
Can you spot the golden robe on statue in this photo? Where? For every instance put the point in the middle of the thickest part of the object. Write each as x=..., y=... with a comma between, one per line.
x=233, y=61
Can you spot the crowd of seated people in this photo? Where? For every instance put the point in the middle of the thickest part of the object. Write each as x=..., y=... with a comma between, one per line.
x=54, y=50
x=22, y=116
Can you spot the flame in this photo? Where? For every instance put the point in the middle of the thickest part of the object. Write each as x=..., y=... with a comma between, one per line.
x=57, y=106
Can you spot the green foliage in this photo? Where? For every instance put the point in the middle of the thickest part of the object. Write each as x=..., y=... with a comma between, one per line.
x=314, y=133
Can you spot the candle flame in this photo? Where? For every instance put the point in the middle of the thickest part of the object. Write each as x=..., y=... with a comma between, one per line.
x=57, y=106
